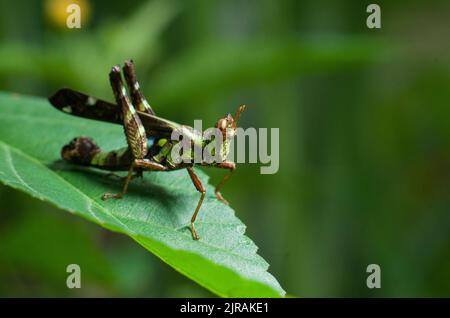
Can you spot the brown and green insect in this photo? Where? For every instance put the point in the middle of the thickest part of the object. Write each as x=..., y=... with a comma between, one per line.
x=148, y=136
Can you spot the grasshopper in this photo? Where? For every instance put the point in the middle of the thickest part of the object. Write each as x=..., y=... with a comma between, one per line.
x=148, y=136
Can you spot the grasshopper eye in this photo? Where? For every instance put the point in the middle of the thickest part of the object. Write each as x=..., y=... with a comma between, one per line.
x=222, y=124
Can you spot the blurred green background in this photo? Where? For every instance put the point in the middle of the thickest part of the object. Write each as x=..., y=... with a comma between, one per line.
x=364, y=120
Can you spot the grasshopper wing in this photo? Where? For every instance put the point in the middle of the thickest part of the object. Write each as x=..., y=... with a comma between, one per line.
x=156, y=126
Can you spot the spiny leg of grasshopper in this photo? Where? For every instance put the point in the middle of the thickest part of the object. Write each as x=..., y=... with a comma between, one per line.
x=137, y=97
x=128, y=178
x=199, y=186
x=137, y=174
x=118, y=177
x=137, y=163
x=231, y=166
x=134, y=130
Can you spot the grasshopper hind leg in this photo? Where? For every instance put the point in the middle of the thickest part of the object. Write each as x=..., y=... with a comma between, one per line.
x=134, y=131
x=119, y=195
x=137, y=97
x=138, y=165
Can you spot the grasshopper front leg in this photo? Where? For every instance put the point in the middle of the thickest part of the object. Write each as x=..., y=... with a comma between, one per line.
x=231, y=166
x=200, y=188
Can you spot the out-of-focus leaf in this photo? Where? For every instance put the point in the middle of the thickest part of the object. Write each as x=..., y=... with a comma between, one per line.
x=43, y=245
x=76, y=59
x=137, y=37
x=206, y=71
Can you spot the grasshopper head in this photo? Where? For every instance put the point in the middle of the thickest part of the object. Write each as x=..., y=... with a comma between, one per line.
x=227, y=125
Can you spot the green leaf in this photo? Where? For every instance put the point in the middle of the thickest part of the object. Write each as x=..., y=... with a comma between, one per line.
x=155, y=213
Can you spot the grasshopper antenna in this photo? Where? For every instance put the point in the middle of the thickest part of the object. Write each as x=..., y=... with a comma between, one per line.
x=238, y=114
